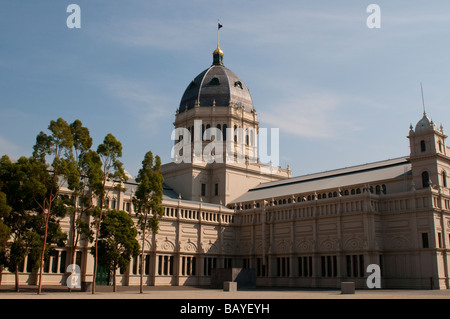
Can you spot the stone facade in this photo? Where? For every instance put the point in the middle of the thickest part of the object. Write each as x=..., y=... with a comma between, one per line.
x=316, y=230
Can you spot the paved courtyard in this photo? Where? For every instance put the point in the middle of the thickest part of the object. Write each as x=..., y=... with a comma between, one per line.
x=105, y=292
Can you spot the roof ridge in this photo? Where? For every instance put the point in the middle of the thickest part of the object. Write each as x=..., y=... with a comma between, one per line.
x=333, y=173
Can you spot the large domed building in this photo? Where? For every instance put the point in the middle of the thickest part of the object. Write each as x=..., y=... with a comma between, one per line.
x=217, y=107
x=224, y=211
x=217, y=86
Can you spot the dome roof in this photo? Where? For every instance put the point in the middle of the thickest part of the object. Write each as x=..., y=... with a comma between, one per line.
x=425, y=124
x=218, y=85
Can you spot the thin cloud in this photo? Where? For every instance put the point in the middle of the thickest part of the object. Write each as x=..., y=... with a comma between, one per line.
x=313, y=116
x=147, y=107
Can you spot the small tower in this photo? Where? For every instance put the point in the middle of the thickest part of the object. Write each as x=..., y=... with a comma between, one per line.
x=428, y=154
x=218, y=147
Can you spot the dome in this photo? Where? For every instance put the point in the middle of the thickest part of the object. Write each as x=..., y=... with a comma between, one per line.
x=218, y=85
x=425, y=124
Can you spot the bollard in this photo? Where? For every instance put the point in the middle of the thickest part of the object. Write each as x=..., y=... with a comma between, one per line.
x=347, y=287
x=230, y=286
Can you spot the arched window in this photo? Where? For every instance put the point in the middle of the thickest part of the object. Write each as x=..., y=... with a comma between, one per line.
x=425, y=179
x=377, y=190
x=444, y=179
x=208, y=132
x=423, y=146
x=224, y=132
x=219, y=127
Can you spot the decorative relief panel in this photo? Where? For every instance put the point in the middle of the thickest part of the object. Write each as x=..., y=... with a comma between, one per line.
x=304, y=245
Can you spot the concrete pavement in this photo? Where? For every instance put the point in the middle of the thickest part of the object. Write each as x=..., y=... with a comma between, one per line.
x=183, y=292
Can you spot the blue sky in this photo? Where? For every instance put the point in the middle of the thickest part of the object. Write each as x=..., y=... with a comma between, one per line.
x=341, y=93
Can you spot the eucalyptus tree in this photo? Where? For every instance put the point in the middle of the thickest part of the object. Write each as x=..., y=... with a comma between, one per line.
x=57, y=148
x=24, y=186
x=82, y=169
x=109, y=153
x=147, y=200
x=5, y=231
x=118, y=243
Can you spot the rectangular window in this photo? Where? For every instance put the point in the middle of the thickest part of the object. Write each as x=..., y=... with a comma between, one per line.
x=381, y=265
x=166, y=265
x=329, y=266
x=439, y=240
x=62, y=263
x=47, y=264
x=78, y=258
x=55, y=262
x=305, y=266
x=203, y=189
x=349, y=265
x=29, y=263
x=188, y=266
x=425, y=243
x=283, y=266
x=147, y=264
x=323, y=265
x=208, y=264
x=216, y=189
x=261, y=267
x=361, y=266
x=160, y=261
x=227, y=262
x=135, y=265
x=355, y=265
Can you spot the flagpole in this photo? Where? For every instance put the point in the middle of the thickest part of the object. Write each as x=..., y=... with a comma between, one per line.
x=423, y=101
x=218, y=28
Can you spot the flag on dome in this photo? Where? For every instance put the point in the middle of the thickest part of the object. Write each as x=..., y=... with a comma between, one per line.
x=219, y=25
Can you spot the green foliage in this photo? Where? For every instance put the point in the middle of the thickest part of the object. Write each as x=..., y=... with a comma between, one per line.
x=110, y=151
x=5, y=231
x=117, y=241
x=149, y=193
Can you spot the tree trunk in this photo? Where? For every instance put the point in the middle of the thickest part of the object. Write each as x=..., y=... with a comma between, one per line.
x=16, y=275
x=142, y=254
x=96, y=235
x=96, y=254
x=43, y=249
x=73, y=240
x=114, y=278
